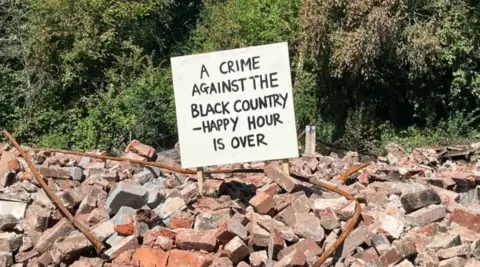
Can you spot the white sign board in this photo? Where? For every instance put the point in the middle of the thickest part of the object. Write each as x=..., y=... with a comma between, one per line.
x=235, y=106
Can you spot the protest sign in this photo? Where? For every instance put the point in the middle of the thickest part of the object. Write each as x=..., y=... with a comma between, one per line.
x=235, y=106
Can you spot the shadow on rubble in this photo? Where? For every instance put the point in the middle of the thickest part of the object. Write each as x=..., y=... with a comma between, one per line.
x=240, y=191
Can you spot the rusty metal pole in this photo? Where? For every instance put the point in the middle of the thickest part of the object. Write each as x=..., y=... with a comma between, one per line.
x=85, y=230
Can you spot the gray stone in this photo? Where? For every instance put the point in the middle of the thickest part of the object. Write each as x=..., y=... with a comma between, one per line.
x=144, y=177
x=7, y=222
x=155, y=198
x=124, y=215
x=419, y=199
x=258, y=258
x=47, y=239
x=10, y=241
x=170, y=206
x=75, y=172
x=212, y=219
x=103, y=230
x=131, y=195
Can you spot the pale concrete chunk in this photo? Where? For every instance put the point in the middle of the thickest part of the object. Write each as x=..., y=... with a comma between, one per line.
x=212, y=219
x=8, y=222
x=472, y=263
x=103, y=230
x=13, y=208
x=75, y=172
x=454, y=251
x=127, y=243
x=47, y=239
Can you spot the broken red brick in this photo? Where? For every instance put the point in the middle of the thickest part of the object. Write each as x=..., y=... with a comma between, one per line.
x=466, y=219
x=262, y=202
x=186, y=258
x=196, y=240
x=150, y=257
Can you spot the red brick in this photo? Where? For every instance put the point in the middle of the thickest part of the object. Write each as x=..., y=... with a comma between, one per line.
x=149, y=257
x=262, y=203
x=124, y=259
x=466, y=219
x=305, y=244
x=196, y=240
x=125, y=229
x=283, y=180
x=151, y=236
x=428, y=230
x=294, y=258
x=14, y=166
x=54, y=173
x=180, y=258
x=181, y=220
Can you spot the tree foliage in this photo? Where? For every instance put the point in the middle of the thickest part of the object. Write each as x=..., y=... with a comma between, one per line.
x=88, y=73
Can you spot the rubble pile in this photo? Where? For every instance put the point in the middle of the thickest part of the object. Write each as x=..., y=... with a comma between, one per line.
x=418, y=208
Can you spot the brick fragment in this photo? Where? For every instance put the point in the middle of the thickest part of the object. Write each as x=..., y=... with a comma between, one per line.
x=355, y=239
x=328, y=219
x=466, y=219
x=258, y=258
x=47, y=239
x=222, y=262
x=427, y=258
x=236, y=250
x=262, y=203
x=213, y=187
x=346, y=212
x=287, y=232
x=453, y=262
x=295, y=258
x=181, y=219
x=6, y=258
x=444, y=241
x=419, y=199
x=392, y=226
x=126, y=243
x=381, y=243
x=308, y=225
x=229, y=229
x=303, y=245
x=283, y=180
x=472, y=263
x=53, y=173
x=125, y=194
x=164, y=243
x=189, y=239
x=145, y=256
x=211, y=219
x=426, y=215
x=10, y=241
x=151, y=235
x=259, y=236
x=186, y=258
x=454, y=251
x=70, y=247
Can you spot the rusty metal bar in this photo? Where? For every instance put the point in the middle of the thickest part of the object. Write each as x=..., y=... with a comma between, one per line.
x=348, y=228
x=85, y=230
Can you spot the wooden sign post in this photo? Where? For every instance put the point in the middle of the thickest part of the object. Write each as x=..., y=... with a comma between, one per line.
x=234, y=106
